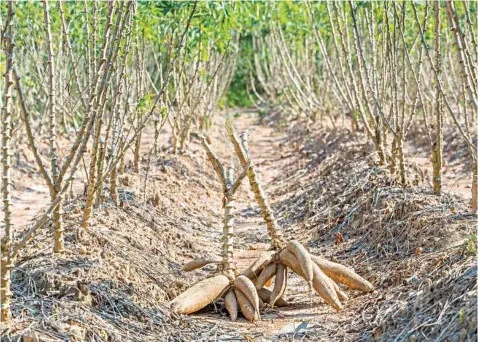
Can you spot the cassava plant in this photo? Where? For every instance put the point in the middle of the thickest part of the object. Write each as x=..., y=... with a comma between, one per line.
x=6, y=262
x=319, y=273
x=238, y=291
x=89, y=86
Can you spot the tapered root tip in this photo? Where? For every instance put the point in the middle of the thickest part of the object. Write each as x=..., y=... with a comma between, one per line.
x=174, y=307
x=337, y=306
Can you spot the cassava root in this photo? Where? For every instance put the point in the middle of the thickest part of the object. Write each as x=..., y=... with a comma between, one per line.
x=304, y=258
x=343, y=274
x=199, y=295
x=321, y=283
x=198, y=263
x=230, y=302
x=265, y=296
x=246, y=286
x=280, y=284
x=246, y=306
x=267, y=274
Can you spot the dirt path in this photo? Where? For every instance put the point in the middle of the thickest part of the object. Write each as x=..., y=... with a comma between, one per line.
x=304, y=313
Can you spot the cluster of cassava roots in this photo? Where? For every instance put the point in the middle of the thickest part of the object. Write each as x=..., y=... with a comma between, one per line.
x=246, y=290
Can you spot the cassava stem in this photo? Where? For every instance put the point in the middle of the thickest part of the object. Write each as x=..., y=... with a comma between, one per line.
x=241, y=148
x=229, y=187
x=6, y=263
x=209, y=289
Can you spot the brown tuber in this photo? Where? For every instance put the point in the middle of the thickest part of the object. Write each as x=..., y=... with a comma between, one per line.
x=280, y=284
x=325, y=289
x=304, y=258
x=343, y=274
x=266, y=275
x=230, y=301
x=246, y=286
x=321, y=283
x=247, y=308
x=265, y=296
x=199, y=295
x=198, y=263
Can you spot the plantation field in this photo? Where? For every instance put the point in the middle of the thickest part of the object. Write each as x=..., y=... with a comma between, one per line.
x=239, y=171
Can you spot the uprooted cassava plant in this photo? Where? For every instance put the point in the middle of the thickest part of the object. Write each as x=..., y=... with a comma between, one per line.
x=237, y=291
x=320, y=274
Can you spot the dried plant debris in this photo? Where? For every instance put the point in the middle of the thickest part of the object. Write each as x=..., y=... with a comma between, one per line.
x=444, y=309
x=416, y=248
x=114, y=282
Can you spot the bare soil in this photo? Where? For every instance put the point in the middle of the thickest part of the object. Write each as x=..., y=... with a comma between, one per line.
x=114, y=282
